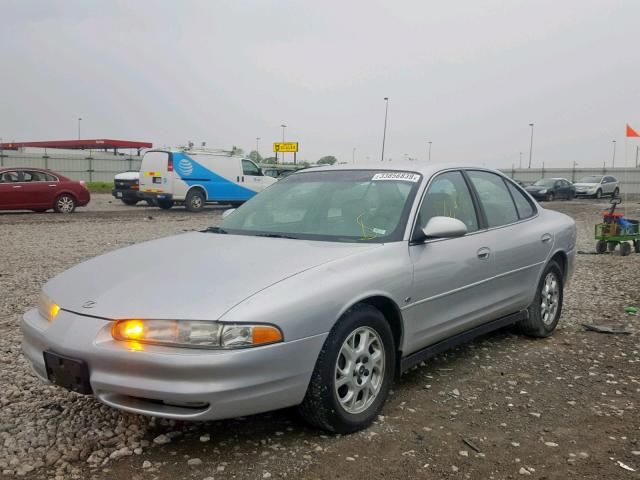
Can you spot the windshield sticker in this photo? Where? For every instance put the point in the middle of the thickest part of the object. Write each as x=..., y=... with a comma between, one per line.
x=378, y=231
x=405, y=176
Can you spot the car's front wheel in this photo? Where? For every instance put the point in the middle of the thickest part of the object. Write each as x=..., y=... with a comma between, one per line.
x=353, y=373
x=546, y=308
x=598, y=194
x=550, y=197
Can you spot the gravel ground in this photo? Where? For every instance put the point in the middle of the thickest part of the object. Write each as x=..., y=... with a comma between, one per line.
x=504, y=406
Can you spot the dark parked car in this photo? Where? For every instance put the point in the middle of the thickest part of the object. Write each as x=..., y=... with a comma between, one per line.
x=550, y=189
x=40, y=190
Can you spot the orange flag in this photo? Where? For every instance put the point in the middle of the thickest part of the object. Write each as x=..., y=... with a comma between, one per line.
x=631, y=132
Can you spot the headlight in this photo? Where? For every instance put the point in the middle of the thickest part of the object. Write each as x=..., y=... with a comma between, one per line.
x=195, y=334
x=47, y=308
x=543, y=191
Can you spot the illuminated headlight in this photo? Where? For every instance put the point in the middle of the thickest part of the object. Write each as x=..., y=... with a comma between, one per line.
x=47, y=308
x=543, y=191
x=195, y=334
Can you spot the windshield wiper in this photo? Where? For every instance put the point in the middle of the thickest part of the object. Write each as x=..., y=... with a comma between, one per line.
x=275, y=235
x=214, y=230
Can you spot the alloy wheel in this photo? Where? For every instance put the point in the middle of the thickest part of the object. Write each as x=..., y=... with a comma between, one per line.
x=549, y=299
x=65, y=204
x=359, y=372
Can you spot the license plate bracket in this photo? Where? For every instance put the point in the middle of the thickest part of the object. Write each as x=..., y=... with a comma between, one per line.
x=67, y=372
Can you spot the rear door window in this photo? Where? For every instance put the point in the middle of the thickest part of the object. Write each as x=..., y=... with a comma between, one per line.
x=496, y=200
x=32, y=176
x=523, y=204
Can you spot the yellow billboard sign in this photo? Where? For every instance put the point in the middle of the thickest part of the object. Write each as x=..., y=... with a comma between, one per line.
x=285, y=147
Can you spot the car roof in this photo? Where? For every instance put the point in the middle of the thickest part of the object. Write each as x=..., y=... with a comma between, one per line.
x=426, y=169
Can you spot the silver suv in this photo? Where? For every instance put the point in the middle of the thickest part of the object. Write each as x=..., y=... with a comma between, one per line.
x=597, y=185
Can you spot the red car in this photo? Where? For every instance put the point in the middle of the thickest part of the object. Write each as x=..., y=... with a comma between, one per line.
x=39, y=190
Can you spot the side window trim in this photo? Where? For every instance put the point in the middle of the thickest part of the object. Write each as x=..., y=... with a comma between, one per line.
x=483, y=223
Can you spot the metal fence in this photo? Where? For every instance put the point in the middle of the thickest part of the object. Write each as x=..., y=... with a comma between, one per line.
x=101, y=167
x=87, y=166
x=629, y=178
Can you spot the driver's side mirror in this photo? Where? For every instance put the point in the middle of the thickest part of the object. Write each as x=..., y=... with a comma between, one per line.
x=442, y=227
x=228, y=212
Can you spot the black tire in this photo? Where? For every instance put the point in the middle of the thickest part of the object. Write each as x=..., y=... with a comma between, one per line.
x=151, y=202
x=321, y=406
x=535, y=326
x=611, y=246
x=625, y=249
x=65, y=203
x=598, y=194
x=615, y=193
x=130, y=201
x=601, y=246
x=571, y=196
x=550, y=196
x=195, y=200
x=636, y=246
x=165, y=204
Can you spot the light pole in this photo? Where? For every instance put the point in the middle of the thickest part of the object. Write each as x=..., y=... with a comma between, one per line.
x=637, y=150
x=257, y=148
x=353, y=156
x=573, y=172
x=283, y=127
x=79, y=120
x=429, y=152
x=531, y=145
x=520, y=167
x=384, y=132
x=613, y=161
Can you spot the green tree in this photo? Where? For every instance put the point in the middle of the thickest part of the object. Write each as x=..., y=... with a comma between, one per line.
x=269, y=160
x=255, y=156
x=327, y=160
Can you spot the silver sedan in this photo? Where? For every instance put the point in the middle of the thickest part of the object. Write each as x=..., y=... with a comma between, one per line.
x=315, y=293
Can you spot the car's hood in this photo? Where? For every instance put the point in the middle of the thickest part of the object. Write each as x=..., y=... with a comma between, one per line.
x=190, y=276
x=585, y=185
x=535, y=188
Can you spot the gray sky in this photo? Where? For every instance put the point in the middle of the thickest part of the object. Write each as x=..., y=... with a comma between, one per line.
x=468, y=75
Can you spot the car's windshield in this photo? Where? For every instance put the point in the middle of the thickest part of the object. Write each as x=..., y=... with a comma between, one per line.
x=545, y=182
x=336, y=205
x=590, y=179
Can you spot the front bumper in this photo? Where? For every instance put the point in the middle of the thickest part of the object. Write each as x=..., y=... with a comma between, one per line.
x=178, y=383
x=126, y=194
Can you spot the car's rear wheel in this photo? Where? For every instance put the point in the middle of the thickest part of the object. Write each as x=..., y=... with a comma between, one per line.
x=195, y=200
x=130, y=201
x=353, y=373
x=601, y=246
x=571, y=196
x=550, y=197
x=65, y=203
x=165, y=204
x=546, y=308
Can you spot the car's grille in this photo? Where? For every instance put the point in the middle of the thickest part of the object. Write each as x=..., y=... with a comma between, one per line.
x=126, y=184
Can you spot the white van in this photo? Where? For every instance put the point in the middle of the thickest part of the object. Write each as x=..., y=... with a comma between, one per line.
x=195, y=177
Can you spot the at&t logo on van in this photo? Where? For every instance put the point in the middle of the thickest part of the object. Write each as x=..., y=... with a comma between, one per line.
x=185, y=167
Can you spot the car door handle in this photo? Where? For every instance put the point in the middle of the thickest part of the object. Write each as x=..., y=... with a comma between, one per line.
x=54, y=186
x=546, y=238
x=484, y=253
x=17, y=186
